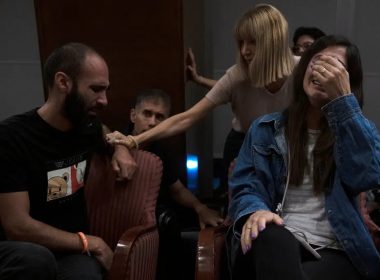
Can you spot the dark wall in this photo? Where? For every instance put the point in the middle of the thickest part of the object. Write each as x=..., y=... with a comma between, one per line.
x=142, y=42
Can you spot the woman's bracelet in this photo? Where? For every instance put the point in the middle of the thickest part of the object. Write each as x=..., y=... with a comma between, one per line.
x=131, y=142
x=84, y=240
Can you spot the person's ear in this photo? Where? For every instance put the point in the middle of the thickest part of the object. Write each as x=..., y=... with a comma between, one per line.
x=63, y=82
x=133, y=115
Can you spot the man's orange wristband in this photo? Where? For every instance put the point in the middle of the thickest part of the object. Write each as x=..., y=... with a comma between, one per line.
x=84, y=240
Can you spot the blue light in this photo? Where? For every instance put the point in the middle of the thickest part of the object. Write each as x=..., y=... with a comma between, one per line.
x=192, y=162
x=192, y=172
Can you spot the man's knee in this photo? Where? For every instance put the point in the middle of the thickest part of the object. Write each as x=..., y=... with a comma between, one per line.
x=24, y=258
x=78, y=266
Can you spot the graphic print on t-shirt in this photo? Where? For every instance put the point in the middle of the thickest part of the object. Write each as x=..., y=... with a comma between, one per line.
x=65, y=181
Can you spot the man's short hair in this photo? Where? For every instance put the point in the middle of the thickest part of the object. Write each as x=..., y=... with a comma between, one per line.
x=313, y=32
x=69, y=59
x=152, y=94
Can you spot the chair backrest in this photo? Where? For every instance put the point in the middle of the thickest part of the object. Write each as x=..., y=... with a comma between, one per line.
x=115, y=206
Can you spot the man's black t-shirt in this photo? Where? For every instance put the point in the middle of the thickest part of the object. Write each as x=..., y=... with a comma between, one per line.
x=50, y=165
x=170, y=173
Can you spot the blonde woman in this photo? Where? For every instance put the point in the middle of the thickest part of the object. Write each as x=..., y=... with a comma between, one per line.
x=258, y=84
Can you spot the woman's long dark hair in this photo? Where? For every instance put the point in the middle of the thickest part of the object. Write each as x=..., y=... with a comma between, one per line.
x=296, y=117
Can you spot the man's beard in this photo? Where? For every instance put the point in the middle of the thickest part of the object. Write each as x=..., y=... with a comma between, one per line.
x=75, y=108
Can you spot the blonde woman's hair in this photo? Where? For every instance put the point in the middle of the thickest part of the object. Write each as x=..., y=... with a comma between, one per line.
x=272, y=59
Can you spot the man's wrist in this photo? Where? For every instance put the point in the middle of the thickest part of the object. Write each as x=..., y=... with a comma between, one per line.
x=84, y=241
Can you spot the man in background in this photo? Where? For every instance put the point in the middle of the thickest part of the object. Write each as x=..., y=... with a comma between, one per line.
x=177, y=207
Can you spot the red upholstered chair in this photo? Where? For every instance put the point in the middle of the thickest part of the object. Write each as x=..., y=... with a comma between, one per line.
x=365, y=211
x=211, y=262
x=123, y=214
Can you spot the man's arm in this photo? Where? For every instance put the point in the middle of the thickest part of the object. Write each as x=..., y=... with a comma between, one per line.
x=122, y=161
x=19, y=225
x=184, y=197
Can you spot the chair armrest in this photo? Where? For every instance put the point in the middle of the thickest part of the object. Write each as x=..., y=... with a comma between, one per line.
x=210, y=252
x=136, y=245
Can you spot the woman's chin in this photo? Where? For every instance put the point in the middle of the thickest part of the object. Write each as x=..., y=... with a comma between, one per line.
x=318, y=99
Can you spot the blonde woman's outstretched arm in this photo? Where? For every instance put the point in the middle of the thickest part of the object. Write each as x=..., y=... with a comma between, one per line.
x=170, y=127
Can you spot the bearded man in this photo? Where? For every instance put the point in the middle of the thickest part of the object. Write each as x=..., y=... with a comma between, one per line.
x=45, y=154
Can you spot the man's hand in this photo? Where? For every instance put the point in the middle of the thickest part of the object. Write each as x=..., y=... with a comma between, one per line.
x=208, y=217
x=123, y=163
x=100, y=250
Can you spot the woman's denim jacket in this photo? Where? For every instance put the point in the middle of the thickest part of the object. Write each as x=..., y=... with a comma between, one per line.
x=259, y=177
